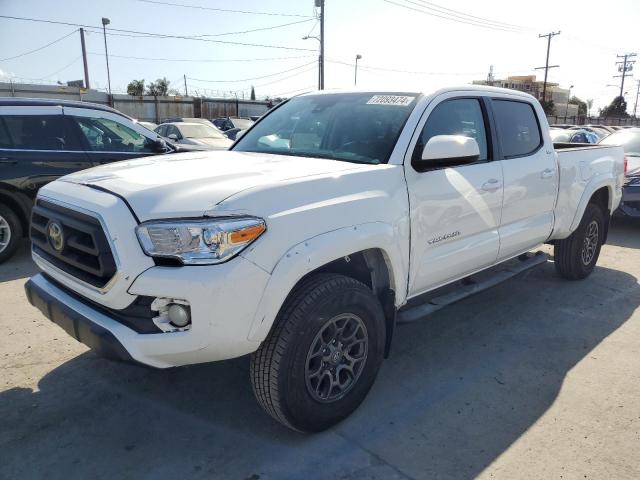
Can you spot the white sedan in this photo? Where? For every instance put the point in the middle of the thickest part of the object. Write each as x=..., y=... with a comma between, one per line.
x=194, y=134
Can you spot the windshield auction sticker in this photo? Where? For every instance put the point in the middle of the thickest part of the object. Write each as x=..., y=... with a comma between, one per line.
x=397, y=100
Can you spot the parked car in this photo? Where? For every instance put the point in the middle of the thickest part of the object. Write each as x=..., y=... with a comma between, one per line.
x=189, y=120
x=569, y=135
x=227, y=123
x=629, y=139
x=194, y=134
x=232, y=133
x=148, y=125
x=324, y=224
x=597, y=131
x=41, y=140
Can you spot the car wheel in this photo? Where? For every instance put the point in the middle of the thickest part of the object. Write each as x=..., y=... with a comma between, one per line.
x=10, y=232
x=322, y=355
x=575, y=257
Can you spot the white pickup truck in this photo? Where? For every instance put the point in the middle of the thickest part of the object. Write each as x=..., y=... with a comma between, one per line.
x=329, y=219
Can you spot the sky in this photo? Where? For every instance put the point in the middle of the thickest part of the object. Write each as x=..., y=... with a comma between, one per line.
x=406, y=45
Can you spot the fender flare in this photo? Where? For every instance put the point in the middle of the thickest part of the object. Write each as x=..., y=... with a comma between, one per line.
x=595, y=184
x=320, y=250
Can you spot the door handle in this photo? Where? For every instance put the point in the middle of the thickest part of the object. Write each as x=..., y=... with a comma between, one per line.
x=547, y=173
x=7, y=161
x=491, y=185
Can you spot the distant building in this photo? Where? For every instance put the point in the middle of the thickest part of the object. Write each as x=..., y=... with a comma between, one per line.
x=529, y=84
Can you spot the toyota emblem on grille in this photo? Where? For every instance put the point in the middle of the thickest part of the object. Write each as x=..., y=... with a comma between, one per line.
x=56, y=236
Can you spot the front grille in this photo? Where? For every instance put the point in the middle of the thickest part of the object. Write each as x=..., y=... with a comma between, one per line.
x=83, y=252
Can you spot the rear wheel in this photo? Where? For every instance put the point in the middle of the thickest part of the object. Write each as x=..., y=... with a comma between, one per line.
x=323, y=354
x=575, y=257
x=10, y=232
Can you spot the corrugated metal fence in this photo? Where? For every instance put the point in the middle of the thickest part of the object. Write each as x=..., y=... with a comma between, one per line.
x=148, y=108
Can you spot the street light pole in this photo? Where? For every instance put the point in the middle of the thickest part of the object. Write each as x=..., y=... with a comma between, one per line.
x=105, y=22
x=321, y=44
x=355, y=79
x=566, y=110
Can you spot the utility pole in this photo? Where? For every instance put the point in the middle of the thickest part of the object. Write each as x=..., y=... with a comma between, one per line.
x=186, y=92
x=635, y=107
x=320, y=3
x=355, y=78
x=546, y=67
x=623, y=67
x=105, y=22
x=84, y=59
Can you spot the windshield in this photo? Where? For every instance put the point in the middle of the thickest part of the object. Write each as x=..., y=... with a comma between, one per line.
x=352, y=127
x=199, y=131
x=242, y=123
x=629, y=140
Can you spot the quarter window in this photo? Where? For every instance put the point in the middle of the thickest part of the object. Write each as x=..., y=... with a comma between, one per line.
x=460, y=116
x=105, y=135
x=518, y=127
x=36, y=132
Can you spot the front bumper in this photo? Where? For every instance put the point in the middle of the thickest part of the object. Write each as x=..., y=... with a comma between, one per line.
x=74, y=322
x=223, y=300
x=630, y=205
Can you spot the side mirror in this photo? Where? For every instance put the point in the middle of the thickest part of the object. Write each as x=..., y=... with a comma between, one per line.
x=173, y=137
x=449, y=151
x=159, y=145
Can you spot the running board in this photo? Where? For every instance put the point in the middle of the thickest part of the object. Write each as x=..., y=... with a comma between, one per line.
x=442, y=297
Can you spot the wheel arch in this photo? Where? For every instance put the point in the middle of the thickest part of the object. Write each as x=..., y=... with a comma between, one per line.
x=19, y=207
x=368, y=253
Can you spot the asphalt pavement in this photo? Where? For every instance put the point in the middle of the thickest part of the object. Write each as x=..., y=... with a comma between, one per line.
x=536, y=378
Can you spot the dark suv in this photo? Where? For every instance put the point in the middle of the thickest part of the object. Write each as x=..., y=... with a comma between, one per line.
x=41, y=140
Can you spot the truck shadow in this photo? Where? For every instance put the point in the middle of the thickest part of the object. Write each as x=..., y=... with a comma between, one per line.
x=459, y=388
x=18, y=266
x=625, y=232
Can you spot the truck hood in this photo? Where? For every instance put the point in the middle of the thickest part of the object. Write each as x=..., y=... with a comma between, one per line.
x=190, y=184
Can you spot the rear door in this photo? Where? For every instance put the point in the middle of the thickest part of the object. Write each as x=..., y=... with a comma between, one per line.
x=109, y=137
x=37, y=146
x=455, y=211
x=530, y=177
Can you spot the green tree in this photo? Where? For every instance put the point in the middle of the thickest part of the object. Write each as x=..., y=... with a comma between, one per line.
x=548, y=106
x=582, y=106
x=253, y=93
x=617, y=108
x=159, y=88
x=136, y=88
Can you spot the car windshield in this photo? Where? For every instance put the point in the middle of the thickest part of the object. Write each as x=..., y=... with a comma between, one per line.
x=629, y=140
x=242, y=123
x=352, y=127
x=199, y=131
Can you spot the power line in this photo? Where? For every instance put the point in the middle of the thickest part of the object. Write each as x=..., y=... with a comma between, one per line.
x=63, y=68
x=157, y=35
x=414, y=72
x=39, y=48
x=204, y=60
x=472, y=17
x=247, y=12
x=453, y=19
x=299, y=90
x=254, y=78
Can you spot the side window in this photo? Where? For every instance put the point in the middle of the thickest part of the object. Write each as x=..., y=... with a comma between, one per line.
x=161, y=130
x=173, y=130
x=460, y=116
x=36, y=132
x=106, y=135
x=518, y=127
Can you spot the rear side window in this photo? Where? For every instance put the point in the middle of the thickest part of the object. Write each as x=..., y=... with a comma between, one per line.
x=36, y=132
x=518, y=127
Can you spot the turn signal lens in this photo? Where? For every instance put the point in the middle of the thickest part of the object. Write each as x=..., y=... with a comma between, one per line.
x=248, y=234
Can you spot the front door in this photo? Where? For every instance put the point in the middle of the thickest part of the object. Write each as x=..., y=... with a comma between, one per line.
x=455, y=211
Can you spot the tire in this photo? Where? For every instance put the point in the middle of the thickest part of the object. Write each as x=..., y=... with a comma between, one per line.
x=576, y=256
x=292, y=371
x=10, y=232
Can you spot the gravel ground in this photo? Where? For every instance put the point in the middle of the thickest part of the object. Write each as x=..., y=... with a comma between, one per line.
x=535, y=378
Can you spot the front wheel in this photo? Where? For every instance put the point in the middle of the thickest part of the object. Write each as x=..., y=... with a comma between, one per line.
x=323, y=354
x=575, y=257
x=10, y=232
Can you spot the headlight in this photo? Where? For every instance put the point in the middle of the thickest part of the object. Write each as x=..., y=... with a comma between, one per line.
x=199, y=242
